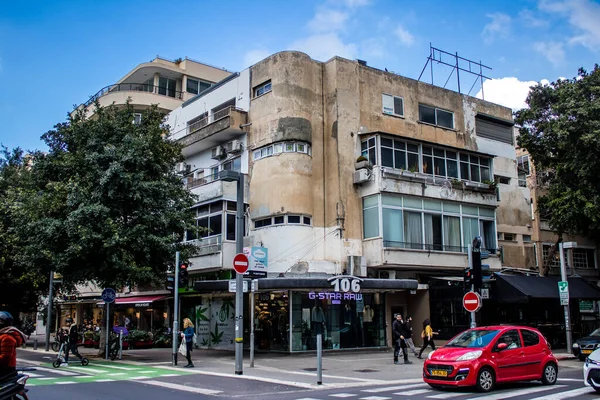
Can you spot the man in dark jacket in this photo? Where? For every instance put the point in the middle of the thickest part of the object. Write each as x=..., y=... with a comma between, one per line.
x=400, y=331
x=72, y=344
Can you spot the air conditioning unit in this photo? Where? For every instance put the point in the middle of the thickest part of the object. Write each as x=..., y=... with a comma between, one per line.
x=236, y=147
x=387, y=274
x=218, y=153
x=182, y=167
x=357, y=266
x=362, y=175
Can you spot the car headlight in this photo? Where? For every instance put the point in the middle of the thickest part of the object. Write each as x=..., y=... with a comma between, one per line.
x=472, y=355
x=430, y=354
x=575, y=345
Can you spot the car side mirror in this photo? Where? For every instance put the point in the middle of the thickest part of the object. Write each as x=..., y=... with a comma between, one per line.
x=501, y=346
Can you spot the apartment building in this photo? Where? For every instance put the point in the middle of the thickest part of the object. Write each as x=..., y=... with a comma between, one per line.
x=350, y=170
x=168, y=84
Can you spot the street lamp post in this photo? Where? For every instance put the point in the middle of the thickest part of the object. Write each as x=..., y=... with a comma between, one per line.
x=230, y=176
x=49, y=316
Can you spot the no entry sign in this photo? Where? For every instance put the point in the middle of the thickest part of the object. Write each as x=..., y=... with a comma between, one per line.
x=472, y=301
x=240, y=263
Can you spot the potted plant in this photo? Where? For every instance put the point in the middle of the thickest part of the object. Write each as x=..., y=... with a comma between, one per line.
x=457, y=184
x=139, y=339
x=362, y=162
x=492, y=185
x=411, y=172
x=88, y=339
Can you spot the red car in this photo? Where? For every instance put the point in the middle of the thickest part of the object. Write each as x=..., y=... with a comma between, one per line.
x=484, y=356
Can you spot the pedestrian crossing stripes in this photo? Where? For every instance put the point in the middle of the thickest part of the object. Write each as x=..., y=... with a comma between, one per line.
x=531, y=391
x=97, y=372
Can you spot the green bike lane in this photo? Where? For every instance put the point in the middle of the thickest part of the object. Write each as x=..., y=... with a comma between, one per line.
x=98, y=371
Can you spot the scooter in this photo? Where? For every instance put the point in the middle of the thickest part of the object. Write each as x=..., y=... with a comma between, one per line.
x=12, y=386
x=60, y=357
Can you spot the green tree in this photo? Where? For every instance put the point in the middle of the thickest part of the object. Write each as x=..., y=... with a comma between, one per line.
x=108, y=206
x=21, y=285
x=561, y=132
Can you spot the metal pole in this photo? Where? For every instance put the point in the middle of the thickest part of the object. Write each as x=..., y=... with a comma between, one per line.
x=121, y=345
x=239, y=281
x=470, y=250
x=252, y=327
x=49, y=318
x=107, y=328
x=563, y=275
x=319, y=358
x=175, y=308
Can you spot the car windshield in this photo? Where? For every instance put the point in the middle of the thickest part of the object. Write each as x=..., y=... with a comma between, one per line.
x=596, y=332
x=473, y=338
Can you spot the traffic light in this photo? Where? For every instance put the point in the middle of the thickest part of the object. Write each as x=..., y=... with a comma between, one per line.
x=183, y=276
x=476, y=259
x=467, y=279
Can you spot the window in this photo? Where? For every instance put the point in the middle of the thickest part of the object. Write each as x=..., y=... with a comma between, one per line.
x=259, y=223
x=371, y=216
x=433, y=231
x=413, y=229
x=369, y=150
x=262, y=89
x=306, y=220
x=523, y=170
x=278, y=220
x=166, y=86
x=209, y=220
x=232, y=165
x=530, y=338
x=392, y=105
x=526, y=238
x=293, y=219
x=436, y=116
x=285, y=147
x=503, y=180
x=511, y=338
x=584, y=258
x=196, y=86
x=510, y=237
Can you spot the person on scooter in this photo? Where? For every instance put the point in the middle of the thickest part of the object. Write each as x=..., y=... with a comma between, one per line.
x=10, y=339
x=72, y=343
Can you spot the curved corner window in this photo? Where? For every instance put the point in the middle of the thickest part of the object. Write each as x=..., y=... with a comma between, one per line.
x=281, y=147
x=289, y=219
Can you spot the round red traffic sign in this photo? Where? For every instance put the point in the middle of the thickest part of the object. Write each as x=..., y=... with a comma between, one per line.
x=240, y=263
x=472, y=301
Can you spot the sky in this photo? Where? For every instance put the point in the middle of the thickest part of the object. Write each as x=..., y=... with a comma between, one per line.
x=55, y=54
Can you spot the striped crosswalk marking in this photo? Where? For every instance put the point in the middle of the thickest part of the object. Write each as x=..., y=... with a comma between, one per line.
x=413, y=392
x=88, y=369
x=65, y=383
x=447, y=395
x=57, y=371
x=180, y=387
x=391, y=388
x=521, y=392
x=567, y=395
x=342, y=395
x=114, y=366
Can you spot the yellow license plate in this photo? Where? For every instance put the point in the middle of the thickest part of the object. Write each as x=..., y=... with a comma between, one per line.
x=586, y=351
x=437, y=372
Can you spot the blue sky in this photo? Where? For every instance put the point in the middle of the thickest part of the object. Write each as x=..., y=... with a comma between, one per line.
x=55, y=54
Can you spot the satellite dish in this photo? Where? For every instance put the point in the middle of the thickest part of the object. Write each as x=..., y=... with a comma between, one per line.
x=301, y=267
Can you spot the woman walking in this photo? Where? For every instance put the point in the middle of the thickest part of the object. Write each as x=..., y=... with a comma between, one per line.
x=188, y=336
x=427, y=336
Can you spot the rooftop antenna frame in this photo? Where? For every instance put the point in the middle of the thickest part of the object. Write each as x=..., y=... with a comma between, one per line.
x=436, y=54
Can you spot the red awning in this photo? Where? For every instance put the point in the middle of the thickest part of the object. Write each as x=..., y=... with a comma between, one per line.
x=143, y=301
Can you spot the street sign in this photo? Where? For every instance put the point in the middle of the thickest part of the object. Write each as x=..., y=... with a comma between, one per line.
x=109, y=295
x=472, y=302
x=563, y=293
x=485, y=293
x=258, y=259
x=233, y=286
x=240, y=263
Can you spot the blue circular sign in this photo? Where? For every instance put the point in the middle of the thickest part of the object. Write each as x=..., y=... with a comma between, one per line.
x=109, y=295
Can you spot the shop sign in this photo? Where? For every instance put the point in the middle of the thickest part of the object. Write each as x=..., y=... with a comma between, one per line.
x=335, y=297
x=345, y=283
x=258, y=258
x=141, y=305
x=586, y=306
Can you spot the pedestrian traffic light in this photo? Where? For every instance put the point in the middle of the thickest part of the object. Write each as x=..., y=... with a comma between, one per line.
x=183, y=276
x=467, y=279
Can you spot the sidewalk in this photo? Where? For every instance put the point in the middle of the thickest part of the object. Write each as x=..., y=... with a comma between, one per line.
x=349, y=368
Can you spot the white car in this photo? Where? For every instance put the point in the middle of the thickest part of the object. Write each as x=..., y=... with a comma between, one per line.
x=591, y=370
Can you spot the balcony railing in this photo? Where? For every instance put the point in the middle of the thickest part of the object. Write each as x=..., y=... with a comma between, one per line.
x=194, y=183
x=196, y=126
x=208, y=245
x=390, y=244
x=135, y=87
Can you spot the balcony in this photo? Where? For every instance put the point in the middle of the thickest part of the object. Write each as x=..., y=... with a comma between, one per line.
x=202, y=135
x=214, y=187
x=141, y=95
x=213, y=253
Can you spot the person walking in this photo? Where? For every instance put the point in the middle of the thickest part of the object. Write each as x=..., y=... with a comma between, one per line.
x=427, y=336
x=408, y=336
x=399, y=330
x=188, y=336
x=10, y=339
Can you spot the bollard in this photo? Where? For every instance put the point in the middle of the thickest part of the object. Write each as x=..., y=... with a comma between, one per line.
x=35, y=344
x=120, y=345
x=319, y=359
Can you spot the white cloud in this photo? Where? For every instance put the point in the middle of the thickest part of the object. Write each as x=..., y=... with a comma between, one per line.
x=357, y=3
x=509, y=92
x=583, y=15
x=553, y=51
x=327, y=20
x=374, y=47
x=405, y=36
x=531, y=20
x=323, y=47
x=498, y=28
x=253, y=56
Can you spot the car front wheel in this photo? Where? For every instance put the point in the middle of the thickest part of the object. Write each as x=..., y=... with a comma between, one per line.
x=550, y=374
x=485, y=379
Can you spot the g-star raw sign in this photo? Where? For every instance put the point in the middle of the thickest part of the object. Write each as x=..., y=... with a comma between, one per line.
x=345, y=283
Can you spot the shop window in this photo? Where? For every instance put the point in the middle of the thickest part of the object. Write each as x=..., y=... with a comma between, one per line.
x=272, y=319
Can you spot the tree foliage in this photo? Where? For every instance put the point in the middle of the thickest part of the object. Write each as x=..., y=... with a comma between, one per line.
x=561, y=132
x=108, y=206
